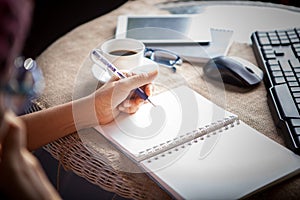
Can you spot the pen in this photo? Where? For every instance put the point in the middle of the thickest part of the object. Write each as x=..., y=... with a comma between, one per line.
x=119, y=74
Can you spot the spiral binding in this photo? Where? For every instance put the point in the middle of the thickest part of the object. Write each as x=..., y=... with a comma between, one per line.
x=188, y=137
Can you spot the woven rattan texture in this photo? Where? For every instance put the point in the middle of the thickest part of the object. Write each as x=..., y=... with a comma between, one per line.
x=96, y=160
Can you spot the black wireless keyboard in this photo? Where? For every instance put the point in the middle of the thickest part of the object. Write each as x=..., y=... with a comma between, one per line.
x=277, y=53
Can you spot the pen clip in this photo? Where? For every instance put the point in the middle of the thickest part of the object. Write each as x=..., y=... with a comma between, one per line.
x=95, y=58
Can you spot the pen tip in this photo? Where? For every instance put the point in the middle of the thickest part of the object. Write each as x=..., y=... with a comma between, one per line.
x=152, y=103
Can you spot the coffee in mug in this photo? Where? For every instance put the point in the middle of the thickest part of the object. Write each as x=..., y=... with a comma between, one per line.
x=125, y=53
x=122, y=52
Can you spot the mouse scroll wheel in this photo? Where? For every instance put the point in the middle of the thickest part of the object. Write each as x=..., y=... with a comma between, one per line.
x=250, y=70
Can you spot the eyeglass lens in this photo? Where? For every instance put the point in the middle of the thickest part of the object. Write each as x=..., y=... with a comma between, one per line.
x=163, y=57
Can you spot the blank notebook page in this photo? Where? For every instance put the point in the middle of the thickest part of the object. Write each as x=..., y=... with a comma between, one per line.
x=228, y=163
x=177, y=112
x=242, y=161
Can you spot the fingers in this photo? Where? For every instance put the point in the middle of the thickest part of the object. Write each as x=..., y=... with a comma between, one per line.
x=118, y=95
x=133, y=102
x=137, y=81
x=131, y=105
x=116, y=78
x=134, y=81
x=149, y=89
x=123, y=88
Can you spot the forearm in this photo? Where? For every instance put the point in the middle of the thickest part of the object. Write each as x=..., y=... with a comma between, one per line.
x=48, y=125
x=100, y=107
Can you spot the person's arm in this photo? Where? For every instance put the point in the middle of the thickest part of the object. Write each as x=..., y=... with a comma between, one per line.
x=98, y=108
x=48, y=125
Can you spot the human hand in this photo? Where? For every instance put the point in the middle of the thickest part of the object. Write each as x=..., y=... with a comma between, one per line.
x=116, y=96
x=21, y=174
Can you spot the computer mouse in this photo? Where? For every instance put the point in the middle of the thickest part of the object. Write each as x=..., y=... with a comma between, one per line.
x=233, y=70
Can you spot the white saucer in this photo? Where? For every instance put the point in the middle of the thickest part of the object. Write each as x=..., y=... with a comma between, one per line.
x=103, y=76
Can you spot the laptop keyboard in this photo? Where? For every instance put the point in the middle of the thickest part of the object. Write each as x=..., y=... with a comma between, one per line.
x=277, y=53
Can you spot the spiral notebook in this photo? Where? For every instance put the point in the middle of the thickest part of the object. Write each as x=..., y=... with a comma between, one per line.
x=195, y=149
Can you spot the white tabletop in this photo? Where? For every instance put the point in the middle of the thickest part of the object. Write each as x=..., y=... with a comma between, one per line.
x=243, y=17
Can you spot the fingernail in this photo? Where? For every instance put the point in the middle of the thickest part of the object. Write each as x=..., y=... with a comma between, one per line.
x=121, y=108
x=149, y=89
x=126, y=104
x=139, y=101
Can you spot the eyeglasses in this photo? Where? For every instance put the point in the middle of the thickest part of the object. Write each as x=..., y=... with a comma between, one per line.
x=165, y=57
x=27, y=83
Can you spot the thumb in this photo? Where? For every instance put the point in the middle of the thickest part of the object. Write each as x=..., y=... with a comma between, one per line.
x=139, y=80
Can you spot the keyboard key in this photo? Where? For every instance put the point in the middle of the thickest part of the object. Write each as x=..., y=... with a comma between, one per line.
x=277, y=74
x=294, y=40
x=297, y=131
x=289, y=74
x=285, y=65
x=295, y=89
x=275, y=41
x=294, y=63
x=290, y=33
x=293, y=36
x=267, y=48
x=272, y=62
x=279, y=52
x=281, y=32
x=296, y=49
x=279, y=80
x=275, y=68
x=268, y=51
x=264, y=41
x=286, y=102
x=295, y=46
x=293, y=84
x=282, y=36
x=296, y=94
x=285, y=42
x=297, y=100
x=262, y=34
x=272, y=34
x=295, y=122
x=291, y=79
x=270, y=56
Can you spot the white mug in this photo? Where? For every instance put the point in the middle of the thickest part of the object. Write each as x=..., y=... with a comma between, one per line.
x=125, y=54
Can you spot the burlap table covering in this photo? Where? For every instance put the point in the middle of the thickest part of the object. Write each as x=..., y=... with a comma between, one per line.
x=66, y=68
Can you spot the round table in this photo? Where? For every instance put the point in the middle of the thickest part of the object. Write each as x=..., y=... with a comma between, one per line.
x=98, y=161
